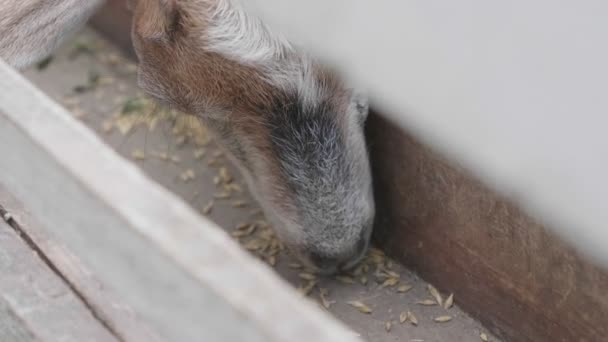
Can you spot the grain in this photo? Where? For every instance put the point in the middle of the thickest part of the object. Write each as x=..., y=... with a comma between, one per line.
x=323, y=293
x=187, y=175
x=360, y=306
x=427, y=302
x=412, y=318
x=221, y=195
x=403, y=317
x=449, y=302
x=442, y=319
x=388, y=325
x=307, y=289
x=307, y=276
x=390, y=282
x=483, y=337
x=207, y=208
x=138, y=154
x=435, y=294
x=404, y=288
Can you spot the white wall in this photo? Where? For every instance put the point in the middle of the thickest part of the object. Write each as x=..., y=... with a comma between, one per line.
x=515, y=90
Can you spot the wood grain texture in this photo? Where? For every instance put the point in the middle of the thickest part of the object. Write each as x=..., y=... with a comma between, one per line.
x=178, y=271
x=107, y=307
x=503, y=267
x=35, y=304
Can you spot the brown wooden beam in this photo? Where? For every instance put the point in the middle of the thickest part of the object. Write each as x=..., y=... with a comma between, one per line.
x=504, y=268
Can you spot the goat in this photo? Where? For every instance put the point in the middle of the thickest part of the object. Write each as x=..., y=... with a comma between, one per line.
x=292, y=126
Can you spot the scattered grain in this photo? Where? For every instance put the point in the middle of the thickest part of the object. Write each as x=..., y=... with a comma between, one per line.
x=449, y=302
x=412, y=318
x=138, y=154
x=360, y=306
x=442, y=319
x=433, y=291
x=427, y=302
x=404, y=288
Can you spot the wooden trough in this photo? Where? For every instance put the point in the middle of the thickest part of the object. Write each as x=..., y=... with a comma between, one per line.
x=125, y=231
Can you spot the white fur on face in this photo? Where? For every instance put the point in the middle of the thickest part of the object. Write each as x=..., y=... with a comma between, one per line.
x=244, y=38
x=237, y=35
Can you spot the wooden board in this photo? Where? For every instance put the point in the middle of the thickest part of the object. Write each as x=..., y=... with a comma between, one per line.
x=105, y=305
x=35, y=303
x=184, y=276
x=503, y=267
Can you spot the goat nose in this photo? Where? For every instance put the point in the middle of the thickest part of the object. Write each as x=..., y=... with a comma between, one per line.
x=324, y=264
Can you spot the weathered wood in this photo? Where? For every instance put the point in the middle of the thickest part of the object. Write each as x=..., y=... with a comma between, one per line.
x=11, y=327
x=106, y=306
x=178, y=271
x=114, y=21
x=504, y=268
x=35, y=303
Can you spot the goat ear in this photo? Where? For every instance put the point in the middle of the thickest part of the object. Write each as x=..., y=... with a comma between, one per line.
x=156, y=19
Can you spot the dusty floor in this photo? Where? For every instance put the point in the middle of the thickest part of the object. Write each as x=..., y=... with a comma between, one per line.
x=92, y=79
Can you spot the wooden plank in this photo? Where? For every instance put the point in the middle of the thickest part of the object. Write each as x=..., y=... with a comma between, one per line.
x=106, y=305
x=178, y=271
x=504, y=267
x=11, y=327
x=114, y=21
x=35, y=303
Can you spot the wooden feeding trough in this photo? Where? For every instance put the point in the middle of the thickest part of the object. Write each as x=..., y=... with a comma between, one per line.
x=95, y=251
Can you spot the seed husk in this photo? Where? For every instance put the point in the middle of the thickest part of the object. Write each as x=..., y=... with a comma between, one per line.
x=388, y=325
x=412, y=318
x=307, y=276
x=449, y=302
x=207, y=208
x=403, y=317
x=187, y=175
x=323, y=293
x=427, y=302
x=433, y=291
x=442, y=319
x=390, y=282
x=483, y=337
x=221, y=195
x=306, y=289
x=360, y=306
x=404, y=288
x=138, y=155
